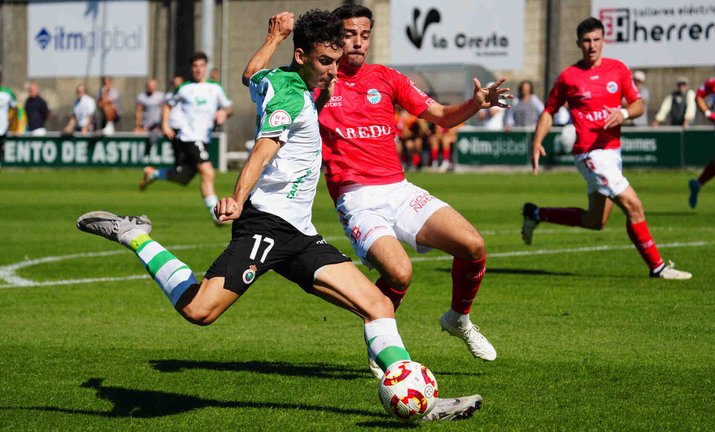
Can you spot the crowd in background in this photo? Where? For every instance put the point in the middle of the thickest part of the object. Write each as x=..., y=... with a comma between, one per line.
x=420, y=144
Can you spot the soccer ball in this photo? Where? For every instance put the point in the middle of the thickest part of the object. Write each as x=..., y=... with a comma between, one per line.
x=408, y=390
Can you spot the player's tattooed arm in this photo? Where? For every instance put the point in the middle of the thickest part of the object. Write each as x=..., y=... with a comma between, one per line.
x=230, y=208
x=279, y=27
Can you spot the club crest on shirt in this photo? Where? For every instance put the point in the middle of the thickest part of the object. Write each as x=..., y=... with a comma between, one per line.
x=279, y=118
x=373, y=96
x=612, y=87
x=249, y=275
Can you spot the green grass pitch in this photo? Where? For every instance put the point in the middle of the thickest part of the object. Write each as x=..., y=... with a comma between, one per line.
x=586, y=341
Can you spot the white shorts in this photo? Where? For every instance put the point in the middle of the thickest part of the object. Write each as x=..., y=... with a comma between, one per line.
x=399, y=210
x=603, y=171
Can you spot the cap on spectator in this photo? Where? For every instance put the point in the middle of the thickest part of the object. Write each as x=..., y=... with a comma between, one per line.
x=682, y=80
x=639, y=76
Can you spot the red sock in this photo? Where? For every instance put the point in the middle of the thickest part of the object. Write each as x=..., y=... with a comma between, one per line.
x=391, y=293
x=708, y=173
x=570, y=216
x=433, y=153
x=445, y=154
x=640, y=237
x=416, y=159
x=466, y=278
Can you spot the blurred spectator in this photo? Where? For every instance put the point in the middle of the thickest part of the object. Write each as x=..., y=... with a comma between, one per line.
x=525, y=109
x=492, y=118
x=8, y=110
x=36, y=111
x=444, y=138
x=562, y=116
x=412, y=131
x=148, y=110
x=214, y=75
x=176, y=116
x=678, y=108
x=82, y=112
x=639, y=80
x=108, y=104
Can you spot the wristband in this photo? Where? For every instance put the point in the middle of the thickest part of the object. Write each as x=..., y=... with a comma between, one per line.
x=625, y=113
x=708, y=113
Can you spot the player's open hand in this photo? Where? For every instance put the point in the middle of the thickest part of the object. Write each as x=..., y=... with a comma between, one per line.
x=536, y=153
x=492, y=96
x=168, y=131
x=615, y=117
x=281, y=25
x=227, y=209
x=220, y=117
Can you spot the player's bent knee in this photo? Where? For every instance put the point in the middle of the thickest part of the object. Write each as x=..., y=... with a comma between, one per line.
x=380, y=307
x=476, y=247
x=400, y=278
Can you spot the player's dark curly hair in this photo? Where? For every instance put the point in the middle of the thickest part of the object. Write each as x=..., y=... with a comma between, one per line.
x=354, y=11
x=588, y=25
x=317, y=27
x=199, y=55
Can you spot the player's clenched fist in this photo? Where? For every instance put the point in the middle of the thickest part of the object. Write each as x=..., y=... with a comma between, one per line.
x=227, y=209
x=281, y=24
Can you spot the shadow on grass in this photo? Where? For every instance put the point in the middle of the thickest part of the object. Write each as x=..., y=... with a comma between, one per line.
x=150, y=404
x=314, y=370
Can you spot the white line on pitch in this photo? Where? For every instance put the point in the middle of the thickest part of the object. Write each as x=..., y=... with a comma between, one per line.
x=7, y=273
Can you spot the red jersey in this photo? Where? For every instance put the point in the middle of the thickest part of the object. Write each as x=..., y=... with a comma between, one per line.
x=706, y=88
x=358, y=129
x=587, y=90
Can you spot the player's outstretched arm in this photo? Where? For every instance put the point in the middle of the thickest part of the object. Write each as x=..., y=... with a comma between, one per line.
x=261, y=155
x=537, y=149
x=279, y=27
x=449, y=116
x=616, y=116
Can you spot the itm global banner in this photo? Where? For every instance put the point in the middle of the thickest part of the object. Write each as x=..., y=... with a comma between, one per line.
x=652, y=33
x=87, y=38
x=457, y=32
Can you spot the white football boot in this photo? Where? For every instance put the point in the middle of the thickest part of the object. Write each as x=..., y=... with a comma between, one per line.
x=670, y=272
x=121, y=229
x=447, y=409
x=478, y=345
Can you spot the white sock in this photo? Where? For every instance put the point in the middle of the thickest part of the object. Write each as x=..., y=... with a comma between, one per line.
x=458, y=319
x=384, y=342
x=210, y=202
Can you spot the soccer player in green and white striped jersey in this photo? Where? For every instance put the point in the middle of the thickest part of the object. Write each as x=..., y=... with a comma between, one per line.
x=271, y=208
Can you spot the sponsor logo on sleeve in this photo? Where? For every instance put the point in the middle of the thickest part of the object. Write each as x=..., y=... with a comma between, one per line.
x=279, y=118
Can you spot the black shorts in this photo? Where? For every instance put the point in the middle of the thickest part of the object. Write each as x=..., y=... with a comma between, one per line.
x=190, y=153
x=262, y=241
x=2, y=143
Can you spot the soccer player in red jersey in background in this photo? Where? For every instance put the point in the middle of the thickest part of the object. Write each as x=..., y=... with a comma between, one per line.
x=593, y=88
x=375, y=203
x=707, y=88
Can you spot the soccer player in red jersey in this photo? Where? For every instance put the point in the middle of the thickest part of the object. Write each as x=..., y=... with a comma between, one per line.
x=593, y=88
x=377, y=206
x=707, y=88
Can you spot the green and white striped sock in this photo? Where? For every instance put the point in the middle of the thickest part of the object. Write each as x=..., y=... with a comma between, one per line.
x=384, y=342
x=173, y=276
